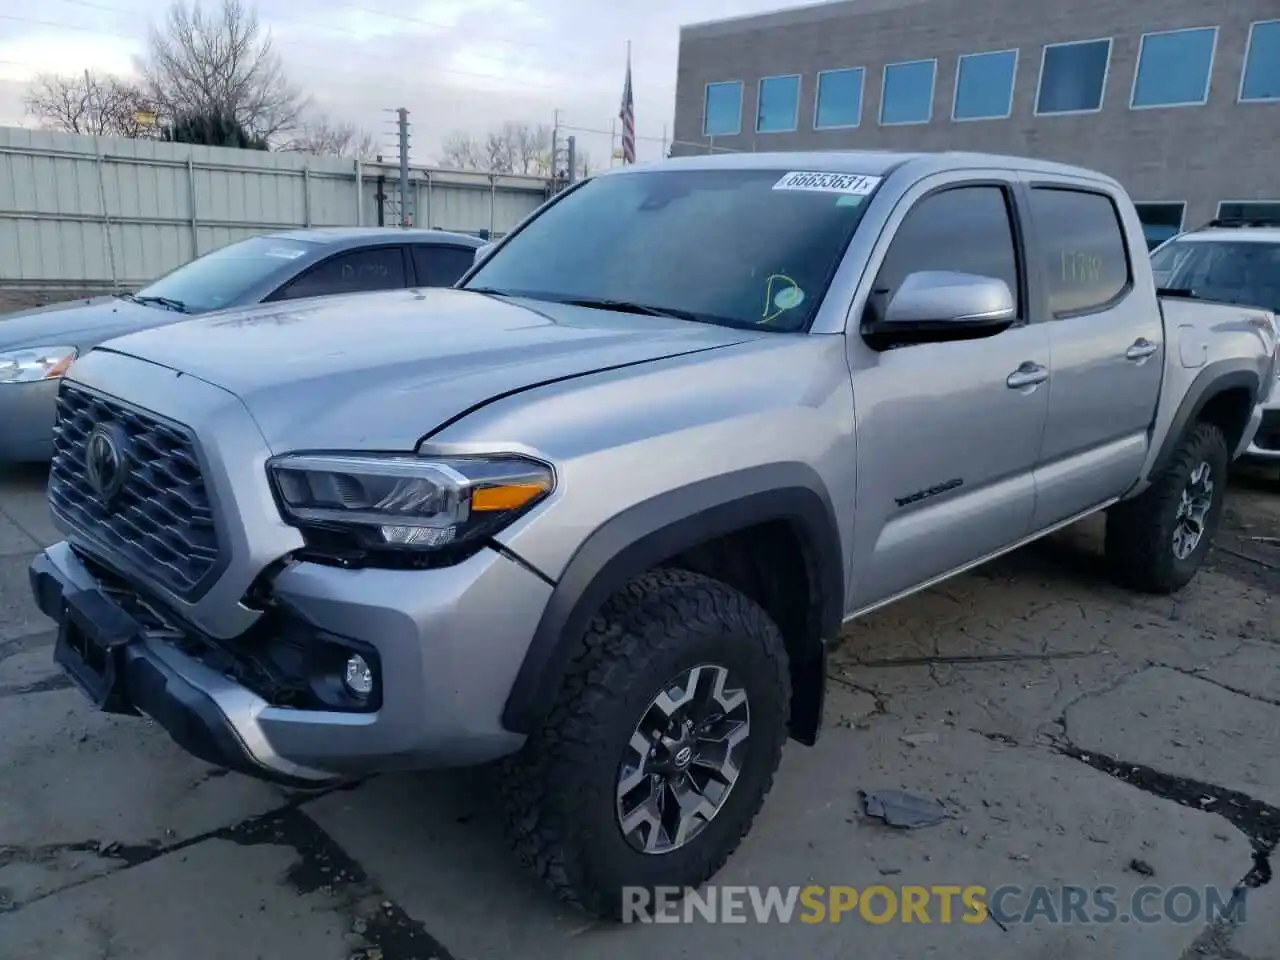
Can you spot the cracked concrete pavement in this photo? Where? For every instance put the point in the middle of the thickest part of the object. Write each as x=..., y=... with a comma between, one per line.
x=1078, y=737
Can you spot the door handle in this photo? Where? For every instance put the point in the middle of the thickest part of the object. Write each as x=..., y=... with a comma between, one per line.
x=1028, y=374
x=1141, y=349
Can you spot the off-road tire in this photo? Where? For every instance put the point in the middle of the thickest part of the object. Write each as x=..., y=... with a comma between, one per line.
x=1139, y=540
x=559, y=792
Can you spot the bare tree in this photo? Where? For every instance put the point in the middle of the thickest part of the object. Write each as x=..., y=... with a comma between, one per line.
x=104, y=105
x=514, y=148
x=461, y=151
x=220, y=63
x=320, y=134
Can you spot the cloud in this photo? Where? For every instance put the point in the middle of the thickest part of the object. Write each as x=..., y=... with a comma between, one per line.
x=465, y=65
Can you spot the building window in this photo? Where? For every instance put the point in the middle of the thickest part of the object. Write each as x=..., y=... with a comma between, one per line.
x=722, y=111
x=1261, y=77
x=1262, y=211
x=984, y=85
x=838, y=100
x=1073, y=76
x=1160, y=221
x=908, y=92
x=1174, y=68
x=778, y=104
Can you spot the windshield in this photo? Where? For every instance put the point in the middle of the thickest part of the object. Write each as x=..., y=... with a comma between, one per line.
x=220, y=278
x=741, y=248
x=1244, y=272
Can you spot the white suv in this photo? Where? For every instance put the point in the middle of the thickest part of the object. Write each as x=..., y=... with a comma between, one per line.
x=1232, y=261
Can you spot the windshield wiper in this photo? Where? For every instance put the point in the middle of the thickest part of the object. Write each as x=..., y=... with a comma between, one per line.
x=177, y=306
x=605, y=303
x=629, y=306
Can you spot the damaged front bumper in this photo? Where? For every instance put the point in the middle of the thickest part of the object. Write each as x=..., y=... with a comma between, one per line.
x=445, y=660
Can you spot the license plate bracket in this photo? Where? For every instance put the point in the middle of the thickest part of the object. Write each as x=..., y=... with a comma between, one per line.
x=91, y=638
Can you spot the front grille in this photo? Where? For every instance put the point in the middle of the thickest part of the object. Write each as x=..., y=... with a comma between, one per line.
x=159, y=522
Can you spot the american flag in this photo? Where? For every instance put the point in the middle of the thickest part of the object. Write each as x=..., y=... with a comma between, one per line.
x=627, y=113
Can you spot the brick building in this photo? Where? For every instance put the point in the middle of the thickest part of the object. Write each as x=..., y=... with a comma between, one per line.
x=1178, y=99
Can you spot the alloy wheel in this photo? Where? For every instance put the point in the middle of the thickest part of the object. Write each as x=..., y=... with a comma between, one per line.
x=683, y=759
x=1193, y=509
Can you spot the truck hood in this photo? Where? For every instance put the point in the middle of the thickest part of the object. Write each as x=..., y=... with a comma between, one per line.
x=380, y=371
x=79, y=323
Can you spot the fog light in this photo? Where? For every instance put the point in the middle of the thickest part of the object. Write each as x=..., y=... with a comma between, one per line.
x=358, y=676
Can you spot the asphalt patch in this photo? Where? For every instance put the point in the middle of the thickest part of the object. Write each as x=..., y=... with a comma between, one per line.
x=1258, y=821
x=379, y=928
x=58, y=681
x=386, y=930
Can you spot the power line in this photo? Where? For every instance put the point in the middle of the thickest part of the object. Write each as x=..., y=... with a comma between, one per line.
x=665, y=141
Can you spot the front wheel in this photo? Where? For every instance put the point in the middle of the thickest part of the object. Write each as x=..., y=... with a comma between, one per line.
x=1157, y=541
x=660, y=750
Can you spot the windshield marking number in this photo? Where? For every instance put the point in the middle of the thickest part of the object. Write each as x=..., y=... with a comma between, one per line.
x=1080, y=267
x=854, y=184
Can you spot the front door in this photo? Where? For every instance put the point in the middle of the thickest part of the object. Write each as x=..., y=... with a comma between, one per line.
x=1107, y=345
x=947, y=433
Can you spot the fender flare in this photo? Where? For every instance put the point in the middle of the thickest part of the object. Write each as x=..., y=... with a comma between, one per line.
x=1213, y=379
x=654, y=530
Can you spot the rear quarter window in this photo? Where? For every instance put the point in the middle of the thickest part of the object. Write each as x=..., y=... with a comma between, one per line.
x=1082, y=242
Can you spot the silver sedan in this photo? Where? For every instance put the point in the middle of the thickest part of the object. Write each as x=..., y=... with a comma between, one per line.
x=37, y=346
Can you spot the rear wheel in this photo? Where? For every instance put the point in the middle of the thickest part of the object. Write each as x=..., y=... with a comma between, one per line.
x=1157, y=541
x=661, y=748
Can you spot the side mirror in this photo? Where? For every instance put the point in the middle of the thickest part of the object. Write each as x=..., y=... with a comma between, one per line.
x=949, y=304
x=482, y=252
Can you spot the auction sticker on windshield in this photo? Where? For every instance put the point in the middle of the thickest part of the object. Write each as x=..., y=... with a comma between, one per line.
x=855, y=184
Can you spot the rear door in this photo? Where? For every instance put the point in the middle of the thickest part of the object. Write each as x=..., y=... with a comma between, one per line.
x=1106, y=341
x=439, y=264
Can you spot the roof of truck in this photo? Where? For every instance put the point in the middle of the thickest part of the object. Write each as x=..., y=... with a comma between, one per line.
x=872, y=163
x=1244, y=232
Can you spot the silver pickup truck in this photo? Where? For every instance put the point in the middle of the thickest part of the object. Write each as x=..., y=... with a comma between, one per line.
x=598, y=513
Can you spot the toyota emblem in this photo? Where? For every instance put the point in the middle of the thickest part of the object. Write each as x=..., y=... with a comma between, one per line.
x=105, y=462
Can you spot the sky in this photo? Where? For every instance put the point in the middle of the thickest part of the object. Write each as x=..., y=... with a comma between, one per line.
x=456, y=65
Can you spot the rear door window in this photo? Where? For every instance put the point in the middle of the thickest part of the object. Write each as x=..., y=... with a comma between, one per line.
x=441, y=266
x=1086, y=260
x=375, y=268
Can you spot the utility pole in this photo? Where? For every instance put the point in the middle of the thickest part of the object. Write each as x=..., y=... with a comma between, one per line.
x=96, y=107
x=555, y=151
x=405, y=214
x=573, y=158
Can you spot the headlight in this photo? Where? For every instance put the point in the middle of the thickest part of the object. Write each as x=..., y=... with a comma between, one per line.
x=406, y=503
x=35, y=363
